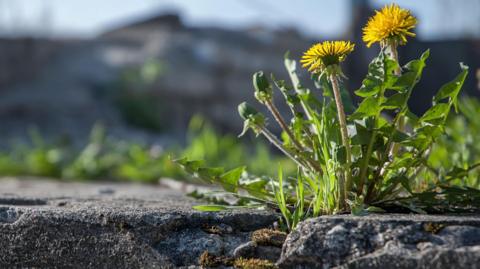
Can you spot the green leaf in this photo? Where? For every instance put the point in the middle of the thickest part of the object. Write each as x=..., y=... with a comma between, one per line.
x=322, y=83
x=256, y=188
x=405, y=80
x=375, y=209
x=457, y=173
x=229, y=180
x=452, y=88
x=411, y=75
x=405, y=160
x=430, y=130
x=412, y=118
x=189, y=166
x=210, y=208
x=399, y=137
x=389, y=77
x=425, y=55
x=290, y=64
x=372, y=83
x=418, y=142
x=358, y=209
x=369, y=88
x=403, y=180
x=209, y=173
x=368, y=107
x=290, y=98
x=438, y=111
x=395, y=101
x=362, y=137
x=281, y=200
x=420, y=63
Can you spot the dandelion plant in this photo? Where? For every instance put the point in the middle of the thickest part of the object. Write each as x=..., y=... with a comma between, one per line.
x=357, y=162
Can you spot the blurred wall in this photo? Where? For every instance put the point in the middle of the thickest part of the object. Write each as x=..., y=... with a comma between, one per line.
x=65, y=86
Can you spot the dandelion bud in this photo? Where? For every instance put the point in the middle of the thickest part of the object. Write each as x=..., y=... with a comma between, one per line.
x=253, y=118
x=246, y=111
x=263, y=90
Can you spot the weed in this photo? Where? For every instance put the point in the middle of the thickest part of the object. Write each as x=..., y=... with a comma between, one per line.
x=361, y=162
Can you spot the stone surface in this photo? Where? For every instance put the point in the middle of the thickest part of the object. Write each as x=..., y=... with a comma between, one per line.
x=253, y=250
x=85, y=225
x=384, y=241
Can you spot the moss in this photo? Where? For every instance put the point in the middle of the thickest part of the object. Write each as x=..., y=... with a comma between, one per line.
x=433, y=227
x=208, y=260
x=212, y=229
x=269, y=237
x=253, y=264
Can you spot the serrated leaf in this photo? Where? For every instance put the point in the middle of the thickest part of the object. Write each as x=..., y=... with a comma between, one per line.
x=452, y=88
x=430, y=130
x=405, y=80
x=368, y=107
x=209, y=173
x=229, y=180
x=369, y=88
x=402, y=161
x=395, y=101
x=399, y=137
x=389, y=74
x=412, y=118
x=436, y=112
x=372, y=83
x=418, y=142
x=191, y=166
x=412, y=74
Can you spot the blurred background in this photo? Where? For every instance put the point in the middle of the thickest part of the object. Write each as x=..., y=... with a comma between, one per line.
x=110, y=89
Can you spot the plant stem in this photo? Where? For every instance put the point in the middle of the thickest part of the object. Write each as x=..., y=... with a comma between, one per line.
x=345, y=187
x=278, y=117
x=364, y=168
x=401, y=121
x=271, y=137
x=392, y=46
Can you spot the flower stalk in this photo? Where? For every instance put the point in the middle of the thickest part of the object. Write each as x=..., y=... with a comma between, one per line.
x=346, y=186
x=274, y=140
x=390, y=27
x=392, y=46
x=325, y=58
x=278, y=117
x=264, y=94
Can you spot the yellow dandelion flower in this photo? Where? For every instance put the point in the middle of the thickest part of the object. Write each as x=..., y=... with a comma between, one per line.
x=390, y=23
x=324, y=54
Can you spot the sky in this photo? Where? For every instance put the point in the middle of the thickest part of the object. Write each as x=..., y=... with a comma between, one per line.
x=327, y=18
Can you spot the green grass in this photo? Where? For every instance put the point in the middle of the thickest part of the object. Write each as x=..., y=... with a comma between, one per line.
x=106, y=158
x=460, y=148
